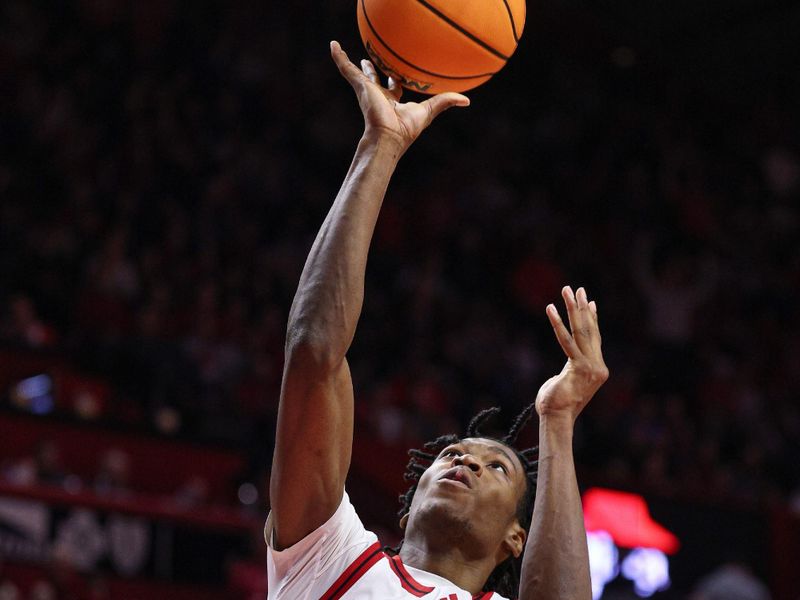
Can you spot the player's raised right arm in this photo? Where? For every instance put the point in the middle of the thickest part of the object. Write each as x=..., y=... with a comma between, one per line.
x=315, y=416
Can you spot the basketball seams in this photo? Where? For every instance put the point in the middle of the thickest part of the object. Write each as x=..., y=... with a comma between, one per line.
x=489, y=48
x=511, y=19
x=378, y=37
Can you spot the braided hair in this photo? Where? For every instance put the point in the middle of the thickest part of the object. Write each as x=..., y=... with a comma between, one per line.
x=505, y=577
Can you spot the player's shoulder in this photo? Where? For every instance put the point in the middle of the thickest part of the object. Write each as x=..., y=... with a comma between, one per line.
x=311, y=565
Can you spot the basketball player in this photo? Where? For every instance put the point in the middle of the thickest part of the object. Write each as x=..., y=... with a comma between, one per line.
x=467, y=517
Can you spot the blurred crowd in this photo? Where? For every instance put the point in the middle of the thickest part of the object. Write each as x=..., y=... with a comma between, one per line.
x=59, y=581
x=164, y=169
x=46, y=467
x=111, y=476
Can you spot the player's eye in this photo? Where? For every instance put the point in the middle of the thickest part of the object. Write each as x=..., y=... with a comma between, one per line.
x=450, y=452
x=499, y=467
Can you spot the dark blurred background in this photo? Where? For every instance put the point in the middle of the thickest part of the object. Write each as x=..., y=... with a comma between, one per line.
x=165, y=165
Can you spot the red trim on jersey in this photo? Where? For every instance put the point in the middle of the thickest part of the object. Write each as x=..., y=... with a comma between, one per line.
x=411, y=585
x=354, y=572
x=366, y=560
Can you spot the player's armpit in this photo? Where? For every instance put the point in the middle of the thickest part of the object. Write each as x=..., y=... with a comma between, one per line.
x=312, y=448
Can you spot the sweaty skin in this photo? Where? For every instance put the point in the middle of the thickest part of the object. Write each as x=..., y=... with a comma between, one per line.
x=315, y=416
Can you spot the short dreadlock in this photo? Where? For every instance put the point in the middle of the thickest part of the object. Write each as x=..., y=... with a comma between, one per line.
x=505, y=577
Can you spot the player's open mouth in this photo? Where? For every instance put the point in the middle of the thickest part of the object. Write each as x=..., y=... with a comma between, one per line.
x=457, y=475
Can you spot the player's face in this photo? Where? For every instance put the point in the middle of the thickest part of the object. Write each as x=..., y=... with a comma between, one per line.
x=473, y=487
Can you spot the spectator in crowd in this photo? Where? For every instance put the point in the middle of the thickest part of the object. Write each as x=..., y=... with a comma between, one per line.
x=673, y=292
x=23, y=325
x=192, y=493
x=49, y=467
x=8, y=590
x=731, y=581
x=113, y=473
x=43, y=467
x=43, y=590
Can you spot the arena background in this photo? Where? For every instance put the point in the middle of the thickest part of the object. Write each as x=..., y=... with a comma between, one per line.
x=164, y=166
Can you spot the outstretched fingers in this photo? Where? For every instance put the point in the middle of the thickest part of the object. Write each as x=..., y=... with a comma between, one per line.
x=572, y=307
x=369, y=70
x=584, y=328
x=348, y=70
x=594, y=325
x=581, y=320
x=395, y=89
x=564, y=337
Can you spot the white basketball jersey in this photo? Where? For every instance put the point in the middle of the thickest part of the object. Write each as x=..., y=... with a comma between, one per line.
x=342, y=560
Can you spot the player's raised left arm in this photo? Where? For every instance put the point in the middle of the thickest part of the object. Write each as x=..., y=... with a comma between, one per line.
x=556, y=562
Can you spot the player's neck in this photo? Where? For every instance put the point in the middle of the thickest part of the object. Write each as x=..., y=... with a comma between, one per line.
x=451, y=563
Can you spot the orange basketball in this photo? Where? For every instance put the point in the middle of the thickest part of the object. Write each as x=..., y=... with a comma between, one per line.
x=434, y=46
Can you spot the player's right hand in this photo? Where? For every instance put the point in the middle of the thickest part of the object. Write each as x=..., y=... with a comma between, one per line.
x=383, y=112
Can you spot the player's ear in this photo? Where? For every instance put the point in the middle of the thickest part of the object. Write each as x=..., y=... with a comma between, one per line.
x=403, y=521
x=514, y=542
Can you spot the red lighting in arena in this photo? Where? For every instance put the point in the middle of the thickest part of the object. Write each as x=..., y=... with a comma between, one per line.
x=626, y=518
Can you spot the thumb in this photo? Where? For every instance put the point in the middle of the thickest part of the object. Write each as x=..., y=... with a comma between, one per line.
x=441, y=102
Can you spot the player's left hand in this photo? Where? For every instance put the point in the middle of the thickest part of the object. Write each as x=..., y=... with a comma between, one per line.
x=569, y=392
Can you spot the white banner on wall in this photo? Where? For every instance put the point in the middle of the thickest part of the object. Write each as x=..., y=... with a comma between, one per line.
x=33, y=532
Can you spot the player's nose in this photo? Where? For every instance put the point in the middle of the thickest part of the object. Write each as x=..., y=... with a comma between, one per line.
x=470, y=462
